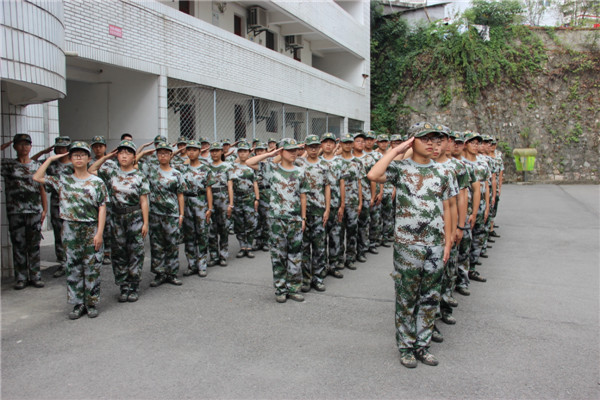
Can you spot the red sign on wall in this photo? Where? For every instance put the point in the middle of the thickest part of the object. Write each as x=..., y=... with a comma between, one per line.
x=115, y=31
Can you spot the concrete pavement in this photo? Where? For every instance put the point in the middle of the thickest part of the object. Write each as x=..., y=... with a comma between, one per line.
x=531, y=331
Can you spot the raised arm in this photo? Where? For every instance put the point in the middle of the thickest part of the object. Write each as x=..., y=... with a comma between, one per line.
x=377, y=173
x=40, y=174
x=93, y=169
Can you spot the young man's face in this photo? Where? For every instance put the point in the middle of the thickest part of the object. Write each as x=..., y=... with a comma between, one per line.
x=359, y=144
x=383, y=145
x=458, y=149
x=99, y=149
x=313, y=150
x=61, y=150
x=180, y=146
x=347, y=146
x=204, y=146
x=395, y=143
x=193, y=153
x=423, y=146
x=226, y=147
x=164, y=156
x=79, y=158
x=125, y=157
x=22, y=147
x=215, y=155
x=328, y=146
x=472, y=147
x=258, y=152
x=272, y=146
x=243, y=154
x=289, y=155
x=369, y=143
x=439, y=148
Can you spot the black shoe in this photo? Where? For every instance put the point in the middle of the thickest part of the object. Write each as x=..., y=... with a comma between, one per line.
x=494, y=234
x=92, y=311
x=361, y=259
x=373, y=250
x=249, y=254
x=124, y=294
x=478, y=263
x=158, y=280
x=336, y=274
x=489, y=247
x=491, y=240
x=190, y=272
x=385, y=244
x=77, y=312
x=20, y=285
x=474, y=276
x=496, y=226
x=483, y=255
x=37, y=284
x=463, y=291
x=448, y=319
x=60, y=271
x=172, y=279
x=240, y=253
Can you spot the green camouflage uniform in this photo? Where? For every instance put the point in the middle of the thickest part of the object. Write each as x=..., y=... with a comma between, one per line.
x=387, y=213
x=375, y=227
x=195, y=228
x=494, y=170
x=464, y=247
x=244, y=216
x=314, y=244
x=354, y=171
x=334, y=227
x=125, y=190
x=364, y=219
x=24, y=212
x=79, y=201
x=500, y=168
x=285, y=221
x=418, y=249
x=108, y=233
x=55, y=169
x=219, y=236
x=262, y=227
x=483, y=175
x=164, y=218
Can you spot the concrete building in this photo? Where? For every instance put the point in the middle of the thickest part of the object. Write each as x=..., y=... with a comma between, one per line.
x=215, y=69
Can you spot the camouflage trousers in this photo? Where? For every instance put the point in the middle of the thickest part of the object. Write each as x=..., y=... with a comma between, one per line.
x=244, y=221
x=478, y=236
x=364, y=222
x=350, y=233
x=375, y=228
x=127, y=247
x=83, y=262
x=286, y=255
x=218, y=241
x=314, y=245
x=387, y=215
x=417, y=276
x=25, y=235
x=464, y=251
x=334, y=239
x=108, y=232
x=195, y=233
x=57, y=225
x=262, y=224
x=449, y=281
x=164, y=244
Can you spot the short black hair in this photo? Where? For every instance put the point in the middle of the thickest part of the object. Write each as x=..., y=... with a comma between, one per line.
x=123, y=136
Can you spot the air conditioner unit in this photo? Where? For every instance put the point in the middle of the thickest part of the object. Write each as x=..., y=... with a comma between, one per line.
x=294, y=42
x=257, y=18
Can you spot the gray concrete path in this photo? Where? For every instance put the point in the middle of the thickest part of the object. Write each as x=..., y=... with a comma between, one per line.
x=531, y=331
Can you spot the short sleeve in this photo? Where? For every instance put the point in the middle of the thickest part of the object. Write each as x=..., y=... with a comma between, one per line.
x=52, y=183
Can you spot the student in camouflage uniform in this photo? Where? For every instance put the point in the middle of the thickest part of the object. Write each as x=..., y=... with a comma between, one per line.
x=375, y=227
x=368, y=197
x=223, y=206
x=497, y=155
x=167, y=211
x=271, y=144
x=198, y=210
x=181, y=154
x=314, y=243
x=262, y=232
x=98, y=145
x=353, y=171
x=83, y=199
x=128, y=189
x=60, y=167
x=26, y=209
x=387, y=204
x=287, y=217
x=337, y=202
x=487, y=154
x=423, y=240
x=246, y=198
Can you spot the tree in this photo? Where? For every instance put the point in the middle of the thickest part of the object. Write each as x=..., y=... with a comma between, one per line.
x=575, y=11
x=533, y=10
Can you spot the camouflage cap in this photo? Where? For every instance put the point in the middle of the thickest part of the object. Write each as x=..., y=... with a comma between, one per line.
x=98, y=140
x=312, y=139
x=328, y=136
x=487, y=138
x=383, y=138
x=459, y=137
x=127, y=144
x=20, y=137
x=346, y=138
x=216, y=146
x=226, y=141
x=452, y=134
x=260, y=145
x=193, y=144
x=255, y=140
x=360, y=134
x=471, y=135
x=421, y=129
x=163, y=145
x=203, y=140
x=396, y=138
x=371, y=135
x=272, y=140
x=79, y=145
x=289, y=144
x=494, y=140
x=243, y=146
x=159, y=138
x=182, y=139
x=62, y=141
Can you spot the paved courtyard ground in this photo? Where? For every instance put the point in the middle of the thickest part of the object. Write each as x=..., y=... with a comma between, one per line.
x=531, y=331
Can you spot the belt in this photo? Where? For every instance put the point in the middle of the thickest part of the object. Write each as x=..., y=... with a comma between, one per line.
x=125, y=210
x=218, y=189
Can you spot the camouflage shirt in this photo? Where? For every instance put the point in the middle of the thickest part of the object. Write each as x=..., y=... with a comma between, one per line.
x=367, y=161
x=79, y=199
x=55, y=169
x=124, y=188
x=221, y=174
x=286, y=185
x=318, y=177
x=196, y=179
x=469, y=167
x=448, y=169
x=420, y=191
x=354, y=171
x=22, y=192
x=166, y=185
x=243, y=178
x=178, y=160
x=481, y=172
x=337, y=173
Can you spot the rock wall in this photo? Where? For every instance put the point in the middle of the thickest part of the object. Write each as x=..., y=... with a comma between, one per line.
x=557, y=111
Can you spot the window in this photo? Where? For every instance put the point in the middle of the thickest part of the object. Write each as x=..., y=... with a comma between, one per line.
x=185, y=6
x=237, y=25
x=270, y=40
x=297, y=55
x=272, y=122
x=240, y=122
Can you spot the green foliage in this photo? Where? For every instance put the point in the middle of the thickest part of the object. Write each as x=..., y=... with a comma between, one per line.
x=505, y=148
x=494, y=13
x=575, y=134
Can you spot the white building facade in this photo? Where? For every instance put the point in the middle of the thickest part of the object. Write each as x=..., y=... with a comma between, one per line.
x=210, y=69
